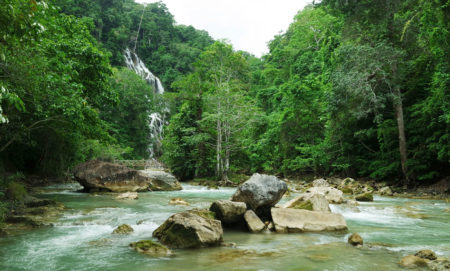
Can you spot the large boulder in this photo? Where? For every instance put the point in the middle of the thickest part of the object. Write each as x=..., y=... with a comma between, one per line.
x=161, y=180
x=227, y=211
x=307, y=201
x=260, y=192
x=254, y=223
x=97, y=175
x=333, y=195
x=190, y=229
x=288, y=220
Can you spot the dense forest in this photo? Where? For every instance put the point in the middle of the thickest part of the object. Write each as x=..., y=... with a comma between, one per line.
x=352, y=88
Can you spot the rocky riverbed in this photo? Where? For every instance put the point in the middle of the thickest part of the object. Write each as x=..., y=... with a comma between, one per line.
x=82, y=236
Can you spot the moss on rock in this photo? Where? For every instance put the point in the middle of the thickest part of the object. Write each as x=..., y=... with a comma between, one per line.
x=123, y=229
x=151, y=248
x=364, y=197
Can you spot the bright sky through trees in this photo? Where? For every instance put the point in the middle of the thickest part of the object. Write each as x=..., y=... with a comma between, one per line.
x=248, y=24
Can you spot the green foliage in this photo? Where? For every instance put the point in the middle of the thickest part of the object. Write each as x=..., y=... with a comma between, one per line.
x=16, y=191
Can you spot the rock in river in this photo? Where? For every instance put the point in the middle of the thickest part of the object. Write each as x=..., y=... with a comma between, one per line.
x=161, y=180
x=190, y=229
x=123, y=229
x=227, y=211
x=104, y=176
x=260, y=192
x=333, y=195
x=355, y=240
x=288, y=220
x=254, y=223
x=312, y=202
x=151, y=248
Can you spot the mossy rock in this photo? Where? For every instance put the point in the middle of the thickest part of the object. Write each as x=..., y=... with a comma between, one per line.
x=151, y=248
x=347, y=190
x=207, y=214
x=123, y=229
x=306, y=205
x=364, y=197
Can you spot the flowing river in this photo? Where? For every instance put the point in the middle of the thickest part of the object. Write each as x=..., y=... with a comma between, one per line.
x=81, y=239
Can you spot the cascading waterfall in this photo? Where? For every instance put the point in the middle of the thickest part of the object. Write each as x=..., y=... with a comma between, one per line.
x=134, y=63
x=156, y=119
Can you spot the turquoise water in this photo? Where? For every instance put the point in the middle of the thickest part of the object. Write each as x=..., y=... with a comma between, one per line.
x=81, y=239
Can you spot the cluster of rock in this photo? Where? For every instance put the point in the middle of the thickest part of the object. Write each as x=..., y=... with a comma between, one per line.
x=253, y=206
x=98, y=175
x=425, y=259
x=35, y=213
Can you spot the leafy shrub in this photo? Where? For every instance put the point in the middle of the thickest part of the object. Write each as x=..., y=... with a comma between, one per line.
x=16, y=191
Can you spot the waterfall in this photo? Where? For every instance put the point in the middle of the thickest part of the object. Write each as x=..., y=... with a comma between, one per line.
x=156, y=119
x=134, y=63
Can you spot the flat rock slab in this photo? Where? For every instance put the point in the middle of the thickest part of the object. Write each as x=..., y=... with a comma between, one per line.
x=295, y=220
x=254, y=223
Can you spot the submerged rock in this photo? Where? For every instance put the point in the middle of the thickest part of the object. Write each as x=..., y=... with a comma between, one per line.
x=161, y=180
x=260, y=192
x=364, y=197
x=254, y=223
x=123, y=229
x=355, y=240
x=190, y=229
x=97, y=175
x=227, y=211
x=333, y=195
x=294, y=220
x=312, y=202
x=128, y=195
x=151, y=248
x=411, y=261
x=178, y=201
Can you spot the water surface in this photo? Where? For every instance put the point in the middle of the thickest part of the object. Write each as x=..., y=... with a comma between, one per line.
x=81, y=239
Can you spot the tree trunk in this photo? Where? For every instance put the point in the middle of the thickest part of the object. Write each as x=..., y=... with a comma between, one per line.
x=398, y=106
x=219, y=149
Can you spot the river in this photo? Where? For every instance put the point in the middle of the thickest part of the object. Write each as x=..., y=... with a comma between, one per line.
x=81, y=239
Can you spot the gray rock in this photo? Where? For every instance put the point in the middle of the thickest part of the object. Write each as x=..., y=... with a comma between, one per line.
x=104, y=176
x=253, y=222
x=288, y=220
x=260, y=192
x=161, y=180
x=320, y=183
x=333, y=195
x=228, y=211
x=190, y=229
x=386, y=191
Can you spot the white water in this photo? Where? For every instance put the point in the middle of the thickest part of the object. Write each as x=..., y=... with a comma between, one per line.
x=156, y=119
x=134, y=63
x=82, y=239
